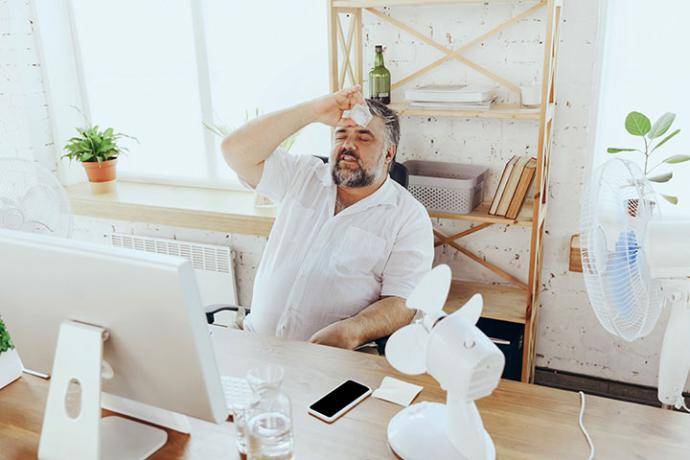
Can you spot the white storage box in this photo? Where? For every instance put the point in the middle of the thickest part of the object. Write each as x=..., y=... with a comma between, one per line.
x=452, y=188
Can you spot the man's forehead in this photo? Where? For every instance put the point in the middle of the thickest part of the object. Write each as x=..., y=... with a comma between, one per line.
x=375, y=128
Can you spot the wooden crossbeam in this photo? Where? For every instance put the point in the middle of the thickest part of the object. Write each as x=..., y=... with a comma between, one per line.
x=456, y=54
x=346, y=46
x=462, y=234
x=468, y=45
x=359, y=61
x=488, y=265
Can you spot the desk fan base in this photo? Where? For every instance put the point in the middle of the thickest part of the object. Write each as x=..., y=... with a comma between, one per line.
x=418, y=432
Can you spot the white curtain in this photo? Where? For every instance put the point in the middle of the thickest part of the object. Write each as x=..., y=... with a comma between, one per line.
x=646, y=68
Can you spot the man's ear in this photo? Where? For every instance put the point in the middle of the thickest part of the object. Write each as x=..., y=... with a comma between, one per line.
x=392, y=150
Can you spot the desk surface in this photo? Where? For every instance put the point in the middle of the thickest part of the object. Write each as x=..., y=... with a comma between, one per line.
x=525, y=421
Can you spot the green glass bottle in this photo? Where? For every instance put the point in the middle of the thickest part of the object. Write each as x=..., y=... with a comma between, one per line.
x=380, y=79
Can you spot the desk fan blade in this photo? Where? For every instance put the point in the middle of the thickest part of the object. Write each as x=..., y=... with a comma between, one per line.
x=406, y=349
x=472, y=310
x=432, y=291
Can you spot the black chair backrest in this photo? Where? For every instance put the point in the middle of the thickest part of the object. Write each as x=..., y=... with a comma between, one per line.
x=398, y=172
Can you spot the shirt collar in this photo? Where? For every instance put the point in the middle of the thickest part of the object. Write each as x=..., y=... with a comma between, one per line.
x=384, y=196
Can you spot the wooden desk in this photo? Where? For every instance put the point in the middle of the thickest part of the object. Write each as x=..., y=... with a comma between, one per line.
x=525, y=421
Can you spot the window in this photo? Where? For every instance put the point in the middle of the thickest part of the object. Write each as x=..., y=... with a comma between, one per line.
x=643, y=70
x=159, y=69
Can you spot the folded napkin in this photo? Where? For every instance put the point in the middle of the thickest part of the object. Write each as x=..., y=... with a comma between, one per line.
x=397, y=391
x=360, y=114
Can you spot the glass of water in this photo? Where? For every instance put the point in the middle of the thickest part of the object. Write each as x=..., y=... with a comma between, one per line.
x=239, y=419
x=269, y=416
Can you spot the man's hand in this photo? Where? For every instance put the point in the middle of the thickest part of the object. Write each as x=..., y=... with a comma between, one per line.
x=341, y=334
x=329, y=109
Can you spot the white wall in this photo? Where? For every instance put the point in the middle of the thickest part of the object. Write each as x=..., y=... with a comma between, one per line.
x=24, y=124
x=569, y=337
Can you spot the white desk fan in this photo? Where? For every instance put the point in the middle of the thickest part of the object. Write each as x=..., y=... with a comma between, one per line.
x=32, y=200
x=633, y=262
x=466, y=363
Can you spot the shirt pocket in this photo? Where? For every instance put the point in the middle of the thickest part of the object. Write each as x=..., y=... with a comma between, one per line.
x=358, y=251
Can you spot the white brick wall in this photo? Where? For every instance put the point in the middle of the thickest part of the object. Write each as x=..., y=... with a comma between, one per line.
x=570, y=337
x=24, y=124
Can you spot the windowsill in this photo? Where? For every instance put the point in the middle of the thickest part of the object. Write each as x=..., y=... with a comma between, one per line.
x=226, y=211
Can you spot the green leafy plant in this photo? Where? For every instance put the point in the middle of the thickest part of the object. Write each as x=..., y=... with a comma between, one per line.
x=95, y=145
x=639, y=125
x=5, y=340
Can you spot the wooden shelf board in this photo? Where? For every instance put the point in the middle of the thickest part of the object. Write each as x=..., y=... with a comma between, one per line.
x=209, y=209
x=498, y=111
x=501, y=302
x=481, y=214
x=379, y=3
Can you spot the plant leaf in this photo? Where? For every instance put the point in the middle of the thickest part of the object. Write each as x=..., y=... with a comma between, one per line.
x=661, y=177
x=617, y=150
x=666, y=139
x=676, y=159
x=661, y=125
x=637, y=124
x=670, y=198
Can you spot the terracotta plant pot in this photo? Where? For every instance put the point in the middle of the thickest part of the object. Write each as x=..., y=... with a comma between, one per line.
x=10, y=367
x=101, y=172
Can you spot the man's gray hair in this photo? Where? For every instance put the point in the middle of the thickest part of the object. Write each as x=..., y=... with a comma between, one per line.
x=390, y=120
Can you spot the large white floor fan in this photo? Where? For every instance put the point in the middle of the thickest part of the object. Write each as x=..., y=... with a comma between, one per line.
x=466, y=363
x=633, y=263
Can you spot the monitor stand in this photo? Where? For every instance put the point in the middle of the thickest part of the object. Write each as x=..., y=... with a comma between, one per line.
x=68, y=435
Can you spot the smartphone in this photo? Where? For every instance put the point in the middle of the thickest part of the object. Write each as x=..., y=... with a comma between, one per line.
x=339, y=400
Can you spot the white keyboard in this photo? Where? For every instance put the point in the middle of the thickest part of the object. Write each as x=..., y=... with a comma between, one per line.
x=237, y=391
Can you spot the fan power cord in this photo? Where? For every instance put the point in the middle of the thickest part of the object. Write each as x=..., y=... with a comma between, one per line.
x=582, y=426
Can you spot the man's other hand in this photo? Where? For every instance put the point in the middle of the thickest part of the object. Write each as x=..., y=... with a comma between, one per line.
x=342, y=334
x=329, y=109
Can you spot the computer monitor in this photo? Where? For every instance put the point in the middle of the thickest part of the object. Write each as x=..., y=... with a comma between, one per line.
x=158, y=347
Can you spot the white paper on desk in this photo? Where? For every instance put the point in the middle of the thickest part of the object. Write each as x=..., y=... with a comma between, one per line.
x=397, y=391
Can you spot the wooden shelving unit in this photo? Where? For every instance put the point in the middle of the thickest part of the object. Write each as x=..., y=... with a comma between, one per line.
x=519, y=302
x=498, y=111
x=501, y=302
x=481, y=215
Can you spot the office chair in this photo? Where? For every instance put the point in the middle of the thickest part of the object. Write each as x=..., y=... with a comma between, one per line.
x=399, y=174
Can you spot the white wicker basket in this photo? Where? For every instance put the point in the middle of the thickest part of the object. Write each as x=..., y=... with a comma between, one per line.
x=452, y=188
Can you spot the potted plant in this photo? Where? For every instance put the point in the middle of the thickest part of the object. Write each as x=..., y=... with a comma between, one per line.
x=639, y=125
x=10, y=365
x=98, y=151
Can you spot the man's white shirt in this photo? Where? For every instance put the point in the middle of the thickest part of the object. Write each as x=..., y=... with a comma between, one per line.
x=318, y=268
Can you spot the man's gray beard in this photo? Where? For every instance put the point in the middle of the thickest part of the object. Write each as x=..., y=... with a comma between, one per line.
x=349, y=178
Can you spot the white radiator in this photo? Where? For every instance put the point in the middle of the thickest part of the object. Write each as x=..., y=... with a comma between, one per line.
x=212, y=264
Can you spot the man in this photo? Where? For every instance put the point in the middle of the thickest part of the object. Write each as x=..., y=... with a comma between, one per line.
x=349, y=244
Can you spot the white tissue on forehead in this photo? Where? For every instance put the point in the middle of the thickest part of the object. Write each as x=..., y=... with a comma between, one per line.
x=360, y=114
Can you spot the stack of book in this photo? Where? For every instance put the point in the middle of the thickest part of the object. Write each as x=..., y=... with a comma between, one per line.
x=513, y=186
x=452, y=97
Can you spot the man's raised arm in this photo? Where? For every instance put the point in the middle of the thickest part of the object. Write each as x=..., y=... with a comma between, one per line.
x=246, y=148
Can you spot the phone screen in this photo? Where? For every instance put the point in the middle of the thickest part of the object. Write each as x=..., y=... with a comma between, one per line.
x=337, y=399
